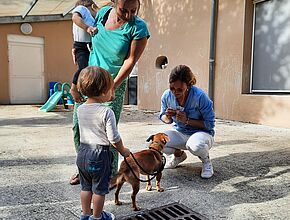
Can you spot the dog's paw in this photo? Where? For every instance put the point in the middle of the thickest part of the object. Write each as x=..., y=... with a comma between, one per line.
x=149, y=187
x=136, y=208
x=118, y=203
x=159, y=189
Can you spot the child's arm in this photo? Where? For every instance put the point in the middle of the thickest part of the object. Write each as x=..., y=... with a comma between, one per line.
x=113, y=134
x=78, y=20
x=125, y=152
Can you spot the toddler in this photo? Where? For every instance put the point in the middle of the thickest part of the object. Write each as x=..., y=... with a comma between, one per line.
x=98, y=131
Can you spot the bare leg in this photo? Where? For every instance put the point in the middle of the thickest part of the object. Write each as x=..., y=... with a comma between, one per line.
x=158, y=178
x=119, y=186
x=98, y=205
x=86, y=198
x=136, y=187
x=148, y=184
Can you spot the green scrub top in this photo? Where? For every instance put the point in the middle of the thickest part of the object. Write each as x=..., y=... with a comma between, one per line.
x=110, y=47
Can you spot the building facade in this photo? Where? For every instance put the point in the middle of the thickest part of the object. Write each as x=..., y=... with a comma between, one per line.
x=245, y=30
x=251, y=77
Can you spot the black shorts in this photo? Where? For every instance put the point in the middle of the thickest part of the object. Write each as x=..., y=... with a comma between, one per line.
x=95, y=166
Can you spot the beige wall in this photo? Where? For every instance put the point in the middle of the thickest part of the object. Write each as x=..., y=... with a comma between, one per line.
x=58, y=64
x=232, y=98
x=180, y=31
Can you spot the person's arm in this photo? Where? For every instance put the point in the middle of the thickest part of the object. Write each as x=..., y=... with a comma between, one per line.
x=181, y=116
x=167, y=117
x=78, y=20
x=73, y=54
x=206, y=110
x=125, y=152
x=166, y=112
x=136, y=49
x=75, y=93
x=195, y=123
x=113, y=134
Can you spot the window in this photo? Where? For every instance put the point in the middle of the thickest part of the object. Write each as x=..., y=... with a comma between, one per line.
x=271, y=47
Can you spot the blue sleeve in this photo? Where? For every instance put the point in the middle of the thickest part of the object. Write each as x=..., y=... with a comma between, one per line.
x=140, y=30
x=164, y=105
x=206, y=110
x=85, y=14
x=81, y=10
x=78, y=9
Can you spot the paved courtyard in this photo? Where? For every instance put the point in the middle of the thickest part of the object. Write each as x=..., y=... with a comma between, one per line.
x=37, y=158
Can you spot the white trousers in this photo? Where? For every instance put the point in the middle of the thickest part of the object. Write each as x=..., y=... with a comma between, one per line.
x=198, y=143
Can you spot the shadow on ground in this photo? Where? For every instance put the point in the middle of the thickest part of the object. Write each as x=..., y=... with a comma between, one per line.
x=239, y=178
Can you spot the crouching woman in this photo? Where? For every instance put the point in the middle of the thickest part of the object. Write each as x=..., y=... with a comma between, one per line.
x=191, y=112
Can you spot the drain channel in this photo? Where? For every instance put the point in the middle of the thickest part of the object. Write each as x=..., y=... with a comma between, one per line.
x=172, y=211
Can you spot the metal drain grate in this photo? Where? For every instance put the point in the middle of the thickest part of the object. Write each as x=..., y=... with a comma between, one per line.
x=172, y=211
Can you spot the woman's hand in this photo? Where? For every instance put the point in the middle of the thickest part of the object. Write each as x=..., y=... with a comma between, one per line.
x=92, y=30
x=181, y=116
x=75, y=94
x=113, y=94
x=169, y=113
x=112, y=97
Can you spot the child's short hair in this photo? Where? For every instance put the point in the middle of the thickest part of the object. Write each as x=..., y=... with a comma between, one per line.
x=94, y=81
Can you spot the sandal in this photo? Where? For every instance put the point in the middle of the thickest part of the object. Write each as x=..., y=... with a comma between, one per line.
x=75, y=179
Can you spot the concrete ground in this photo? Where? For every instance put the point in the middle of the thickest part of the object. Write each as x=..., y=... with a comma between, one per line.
x=251, y=163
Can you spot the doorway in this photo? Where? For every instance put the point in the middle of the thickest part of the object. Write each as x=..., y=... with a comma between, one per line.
x=26, y=69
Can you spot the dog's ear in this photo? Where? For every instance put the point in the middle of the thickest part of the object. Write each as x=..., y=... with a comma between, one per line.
x=165, y=138
x=150, y=138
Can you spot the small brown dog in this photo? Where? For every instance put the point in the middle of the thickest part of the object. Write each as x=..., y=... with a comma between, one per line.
x=150, y=160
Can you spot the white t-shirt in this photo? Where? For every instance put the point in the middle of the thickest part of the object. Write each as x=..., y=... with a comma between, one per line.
x=97, y=124
x=79, y=34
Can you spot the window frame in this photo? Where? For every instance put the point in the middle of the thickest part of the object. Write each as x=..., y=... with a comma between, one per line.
x=257, y=91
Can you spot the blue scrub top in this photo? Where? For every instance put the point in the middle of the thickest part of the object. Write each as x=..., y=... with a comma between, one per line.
x=197, y=106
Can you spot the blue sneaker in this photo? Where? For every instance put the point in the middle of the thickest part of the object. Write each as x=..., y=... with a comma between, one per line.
x=107, y=215
x=104, y=216
x=84, y=217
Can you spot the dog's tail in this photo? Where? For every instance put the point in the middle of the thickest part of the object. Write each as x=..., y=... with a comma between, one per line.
x=113, y=181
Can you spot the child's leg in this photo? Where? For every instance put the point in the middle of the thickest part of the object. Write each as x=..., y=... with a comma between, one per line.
x=86, y=199
x=98, y=205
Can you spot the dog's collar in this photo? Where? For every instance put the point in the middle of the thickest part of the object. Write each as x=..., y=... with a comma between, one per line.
x=159, y=142
x=152, y=148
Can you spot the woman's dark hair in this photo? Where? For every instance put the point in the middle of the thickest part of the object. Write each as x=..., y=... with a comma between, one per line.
x=86, y=3
x=182, y=73
x=116, y=2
